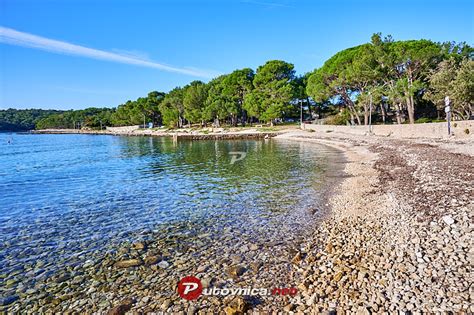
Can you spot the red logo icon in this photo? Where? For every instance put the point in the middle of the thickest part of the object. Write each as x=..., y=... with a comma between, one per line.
x=189, y=288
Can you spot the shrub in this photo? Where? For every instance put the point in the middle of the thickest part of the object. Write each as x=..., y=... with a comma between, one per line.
x=423, y=120
x=466, y=131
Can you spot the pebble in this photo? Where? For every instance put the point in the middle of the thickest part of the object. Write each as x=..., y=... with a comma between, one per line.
x=448, y=219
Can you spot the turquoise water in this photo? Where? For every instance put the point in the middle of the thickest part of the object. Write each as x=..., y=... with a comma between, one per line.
x=67, y=198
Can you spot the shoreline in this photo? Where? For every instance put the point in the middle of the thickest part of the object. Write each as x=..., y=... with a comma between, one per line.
x=387, y=245
x=146, y=270
x=378, y=248
x=192, y=135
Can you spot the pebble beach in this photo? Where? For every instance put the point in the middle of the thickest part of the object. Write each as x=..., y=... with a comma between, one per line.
x=394, y=233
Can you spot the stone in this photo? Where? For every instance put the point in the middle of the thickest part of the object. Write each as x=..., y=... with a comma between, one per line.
x=122, y=308
x=151, y=260
x=139, y=246
x=8, y=300
x=448, y=219
x=235, y=271
x=202, y=268
x=163, y=264
x=237, y=306
x=289, y=308
x=297, y=259
x=166, y=304
x=338, y=276
x=253, y=247
x=128, y=263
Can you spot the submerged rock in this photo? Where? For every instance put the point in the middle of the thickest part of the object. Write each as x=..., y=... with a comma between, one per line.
x=128, y=263
x=151, y=260
x=8, y=300
x=122, y=308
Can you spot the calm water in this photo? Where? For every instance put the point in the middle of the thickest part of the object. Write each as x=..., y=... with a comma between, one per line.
x=67, y=198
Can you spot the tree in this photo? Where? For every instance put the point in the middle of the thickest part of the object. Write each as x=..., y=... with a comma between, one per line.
x=195, y=95
x=414, y=59
x=273, y=91
x=336, y=80
x=152, y=106
x=172, y=108
x=215, y=103
x=235, y=87
x=453, y=78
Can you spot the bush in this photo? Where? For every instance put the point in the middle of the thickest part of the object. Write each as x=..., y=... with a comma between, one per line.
x=423, y=120
x=466, y=131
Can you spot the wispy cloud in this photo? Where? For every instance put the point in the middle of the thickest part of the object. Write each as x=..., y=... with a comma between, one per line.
x=12, y=37
x=267, y=4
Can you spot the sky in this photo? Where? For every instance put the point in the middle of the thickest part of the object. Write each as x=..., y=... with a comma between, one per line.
x=71, y=54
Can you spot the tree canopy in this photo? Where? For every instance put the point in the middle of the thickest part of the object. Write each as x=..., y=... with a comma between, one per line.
x=396, y=81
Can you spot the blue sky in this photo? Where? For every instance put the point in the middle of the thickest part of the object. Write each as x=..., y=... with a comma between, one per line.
x=193, y=39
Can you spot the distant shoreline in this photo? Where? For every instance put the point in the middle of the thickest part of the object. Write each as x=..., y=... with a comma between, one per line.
x=251, y=134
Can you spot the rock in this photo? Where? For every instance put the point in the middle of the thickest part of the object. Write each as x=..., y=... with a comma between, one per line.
x=255, y=266
x=338, y=276
x=448, y=219
x=253, y=247
x=163, y=264
x=139, y=246
x=297, y=259
x=87, y=264
x=329, y=248
x=362, y=311
x=289, y=308
x=237, y=306
x=122, y=308
x=8, y=300
x=166, y=304
x=202, y=269
x=235, y=271
x=128, y=263
x=151, y=260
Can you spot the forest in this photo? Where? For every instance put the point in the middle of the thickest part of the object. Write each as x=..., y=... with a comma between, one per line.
x=384, y=80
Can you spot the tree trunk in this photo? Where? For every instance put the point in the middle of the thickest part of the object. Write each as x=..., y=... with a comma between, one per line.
x=309, y=109
x=366, y=115
x=397, y=112
x=351, y=107
x=382, y=109
x=411, y=110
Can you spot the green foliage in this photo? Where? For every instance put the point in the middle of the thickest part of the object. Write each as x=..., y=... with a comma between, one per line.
x=22, y=119
x=273, y=91
x=144, y=109
x=93, y=118
x=400, y=79
x=453, y=77
x=396, y=73
x=342, y=118
x=195, y=95
x=172, y=108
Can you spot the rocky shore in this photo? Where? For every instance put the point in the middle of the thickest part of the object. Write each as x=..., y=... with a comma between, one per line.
x=219, y=134
x=400, y=235
x=395, y=235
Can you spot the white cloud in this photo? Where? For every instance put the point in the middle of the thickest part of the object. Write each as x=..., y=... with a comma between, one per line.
x=12, y=37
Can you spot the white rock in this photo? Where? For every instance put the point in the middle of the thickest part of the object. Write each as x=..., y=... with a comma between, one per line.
x=163, y=264
x=448, y=219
